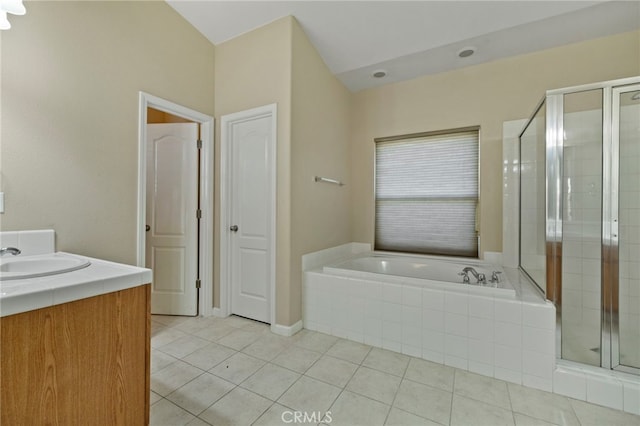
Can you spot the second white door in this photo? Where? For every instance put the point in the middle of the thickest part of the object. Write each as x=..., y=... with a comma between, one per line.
x=250, y=146
x=172, y=201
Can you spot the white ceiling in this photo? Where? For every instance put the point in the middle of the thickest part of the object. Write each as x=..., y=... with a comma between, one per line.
x=413, y=38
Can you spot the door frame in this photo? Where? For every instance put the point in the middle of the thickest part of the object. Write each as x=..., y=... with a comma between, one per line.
x=226, y=122
x=610, y=232
x=146, y=100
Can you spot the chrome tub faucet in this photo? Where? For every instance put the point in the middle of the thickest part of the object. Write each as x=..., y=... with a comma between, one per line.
x=9, y=250
x=480, y=277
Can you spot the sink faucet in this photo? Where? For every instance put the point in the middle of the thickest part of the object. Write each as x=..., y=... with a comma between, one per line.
x=478, y=276
x=9, y=250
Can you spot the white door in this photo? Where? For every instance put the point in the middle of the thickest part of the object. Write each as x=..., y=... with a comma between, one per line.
x=172, y=202
x=250, y=218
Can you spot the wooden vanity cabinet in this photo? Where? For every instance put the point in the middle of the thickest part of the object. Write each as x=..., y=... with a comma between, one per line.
x=84, y=362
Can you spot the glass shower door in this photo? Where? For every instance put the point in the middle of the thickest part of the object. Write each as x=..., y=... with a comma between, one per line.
x=532, y=199
x=626, y=303
x=591, y=221
x=582, y=179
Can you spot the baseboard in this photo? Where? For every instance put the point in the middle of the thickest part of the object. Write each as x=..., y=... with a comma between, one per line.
x=217, y=312
x=285, y=330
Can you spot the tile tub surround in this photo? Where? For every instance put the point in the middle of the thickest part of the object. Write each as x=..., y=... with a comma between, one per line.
x=100, y=277
x=508, y=339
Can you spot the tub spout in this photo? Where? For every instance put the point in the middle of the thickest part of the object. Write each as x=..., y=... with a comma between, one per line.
x=9, y=250
x=481, y=278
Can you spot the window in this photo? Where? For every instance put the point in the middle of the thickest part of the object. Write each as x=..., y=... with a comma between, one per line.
x=427, y=193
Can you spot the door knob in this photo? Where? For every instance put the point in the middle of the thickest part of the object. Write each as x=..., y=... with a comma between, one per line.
x=147, y=228
x=234, y=228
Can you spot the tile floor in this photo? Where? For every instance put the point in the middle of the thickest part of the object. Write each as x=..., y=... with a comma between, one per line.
x=233, y=371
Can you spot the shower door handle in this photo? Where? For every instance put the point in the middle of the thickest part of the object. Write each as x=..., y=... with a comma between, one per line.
x=234, y=228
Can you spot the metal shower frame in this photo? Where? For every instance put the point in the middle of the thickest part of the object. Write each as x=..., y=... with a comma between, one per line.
x=554, y=99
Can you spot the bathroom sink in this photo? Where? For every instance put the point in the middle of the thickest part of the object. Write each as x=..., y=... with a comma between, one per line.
x=22, y=267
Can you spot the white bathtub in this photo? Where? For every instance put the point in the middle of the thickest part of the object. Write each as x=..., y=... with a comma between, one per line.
x=418, y=306
x=421, y=270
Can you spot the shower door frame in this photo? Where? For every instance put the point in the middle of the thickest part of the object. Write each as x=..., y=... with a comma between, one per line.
x=611, y=309
x=609, y=345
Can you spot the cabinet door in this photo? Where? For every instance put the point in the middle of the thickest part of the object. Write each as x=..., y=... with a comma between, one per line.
x=84, y=362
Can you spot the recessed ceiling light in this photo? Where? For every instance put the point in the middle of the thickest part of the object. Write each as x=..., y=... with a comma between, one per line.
x=379, y=73
x=466, y=52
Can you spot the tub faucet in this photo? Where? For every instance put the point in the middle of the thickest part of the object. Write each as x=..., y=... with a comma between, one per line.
x=9, y=250
x=465, y=277
x=478, y=276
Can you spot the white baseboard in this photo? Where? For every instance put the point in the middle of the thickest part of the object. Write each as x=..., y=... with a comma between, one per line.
x=217, y=312
x=285, y=330
x=282, y=330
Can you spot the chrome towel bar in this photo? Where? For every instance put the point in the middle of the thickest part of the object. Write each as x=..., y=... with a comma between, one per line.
x=327, y=180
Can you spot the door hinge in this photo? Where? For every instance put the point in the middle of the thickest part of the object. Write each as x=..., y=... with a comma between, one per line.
x=198, y=283
x=198, y=214
x=199, y=143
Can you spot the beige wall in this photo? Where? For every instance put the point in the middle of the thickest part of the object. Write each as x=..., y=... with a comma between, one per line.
x=277, y=64
x=485, y=95
x=252, y=70
x=319, y=146
x=71, y=72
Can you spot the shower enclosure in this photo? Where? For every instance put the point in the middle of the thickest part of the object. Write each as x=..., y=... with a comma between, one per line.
x=580, y=218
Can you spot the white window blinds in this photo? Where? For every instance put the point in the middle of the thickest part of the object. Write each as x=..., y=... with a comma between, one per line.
x=427, y=193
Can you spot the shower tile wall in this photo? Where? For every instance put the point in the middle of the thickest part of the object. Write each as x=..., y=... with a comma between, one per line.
x=581, y=228
x=629, y=248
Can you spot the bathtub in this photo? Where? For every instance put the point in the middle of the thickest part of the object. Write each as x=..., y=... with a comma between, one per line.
x=422, y=270
x=418, y=306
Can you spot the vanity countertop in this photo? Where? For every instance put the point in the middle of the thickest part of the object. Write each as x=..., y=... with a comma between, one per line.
x=100, y=277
